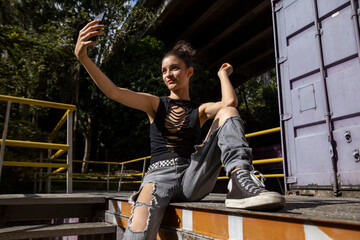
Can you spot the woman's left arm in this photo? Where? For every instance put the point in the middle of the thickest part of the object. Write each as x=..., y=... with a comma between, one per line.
x=228, y=96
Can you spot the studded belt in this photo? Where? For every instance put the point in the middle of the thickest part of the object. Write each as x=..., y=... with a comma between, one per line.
x=169, y=162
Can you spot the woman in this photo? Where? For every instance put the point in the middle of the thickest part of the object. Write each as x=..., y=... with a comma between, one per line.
x=179, y=170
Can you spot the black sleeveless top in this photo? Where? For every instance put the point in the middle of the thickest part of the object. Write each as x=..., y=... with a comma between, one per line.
x=175, y=130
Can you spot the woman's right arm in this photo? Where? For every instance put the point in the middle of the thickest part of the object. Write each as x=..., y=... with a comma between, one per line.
x=142, y=101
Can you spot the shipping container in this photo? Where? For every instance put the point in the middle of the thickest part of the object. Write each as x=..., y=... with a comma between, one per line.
x=318, y=71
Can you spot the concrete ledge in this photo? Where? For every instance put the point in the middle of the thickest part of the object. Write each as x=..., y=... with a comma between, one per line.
x=303, y=217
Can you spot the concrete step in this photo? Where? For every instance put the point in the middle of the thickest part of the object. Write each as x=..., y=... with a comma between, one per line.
x=59, y=198
x=46, y=230
x=25, y=207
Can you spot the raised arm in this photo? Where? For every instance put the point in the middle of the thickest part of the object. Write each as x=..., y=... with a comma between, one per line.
x=142, y=101
x=228, y=96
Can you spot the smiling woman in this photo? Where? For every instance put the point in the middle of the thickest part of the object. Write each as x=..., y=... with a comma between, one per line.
x=176, y=76
x=182, y=169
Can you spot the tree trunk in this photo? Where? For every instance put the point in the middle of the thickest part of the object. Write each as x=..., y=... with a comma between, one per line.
x=265, y=78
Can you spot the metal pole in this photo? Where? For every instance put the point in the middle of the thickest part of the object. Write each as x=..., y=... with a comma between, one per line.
x=333, y=153
x=108, y=178
x=48, y=182
x=143, y=171
x=121, y=175
x=40, y=172
x=69, y=183
x=6, y=124
x=279, y=89
x=34, y=182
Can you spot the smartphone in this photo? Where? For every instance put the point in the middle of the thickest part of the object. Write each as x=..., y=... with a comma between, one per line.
x=101, y=17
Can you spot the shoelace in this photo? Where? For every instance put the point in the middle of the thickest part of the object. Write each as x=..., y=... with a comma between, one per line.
x=249, y=181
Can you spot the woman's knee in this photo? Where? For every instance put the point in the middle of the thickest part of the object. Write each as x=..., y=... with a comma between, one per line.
x=141, y=211
x=225, y=113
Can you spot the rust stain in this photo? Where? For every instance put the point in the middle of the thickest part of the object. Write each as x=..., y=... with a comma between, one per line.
x=211, y=224
x=255, y=228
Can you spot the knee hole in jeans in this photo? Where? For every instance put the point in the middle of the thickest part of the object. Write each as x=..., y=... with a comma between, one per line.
x=140, y=219
x=141, y=212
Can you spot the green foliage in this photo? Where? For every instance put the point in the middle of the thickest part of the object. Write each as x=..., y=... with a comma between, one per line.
x=37, y=41
x=258, y=107
x=136, y=66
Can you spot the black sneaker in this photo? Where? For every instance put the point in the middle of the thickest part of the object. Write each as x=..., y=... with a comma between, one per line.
x=246, y=191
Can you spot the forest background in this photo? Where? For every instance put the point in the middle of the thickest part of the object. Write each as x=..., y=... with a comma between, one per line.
x=37, y=41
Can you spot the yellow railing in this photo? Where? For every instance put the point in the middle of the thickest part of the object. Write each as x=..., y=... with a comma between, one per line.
x=108, y=176
x=255, y=162
x=62, y=148
x=263, y=132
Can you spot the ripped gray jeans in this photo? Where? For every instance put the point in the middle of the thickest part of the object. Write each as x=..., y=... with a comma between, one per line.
x=194, y=180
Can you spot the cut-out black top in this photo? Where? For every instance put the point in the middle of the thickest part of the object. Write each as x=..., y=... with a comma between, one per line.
x=175, y=130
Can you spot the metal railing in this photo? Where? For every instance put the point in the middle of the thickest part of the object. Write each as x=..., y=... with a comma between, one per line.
x=62, y=148
x=108, y=176
x=263, y=161
x=255, y=162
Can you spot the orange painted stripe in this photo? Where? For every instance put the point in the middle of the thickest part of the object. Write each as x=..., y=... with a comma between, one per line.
x=255, y=228
x=126, y=209
x=341, y=232
x=211, y=224
x=122, y=221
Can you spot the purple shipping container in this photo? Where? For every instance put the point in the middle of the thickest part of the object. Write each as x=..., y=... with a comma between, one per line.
x=318, y=70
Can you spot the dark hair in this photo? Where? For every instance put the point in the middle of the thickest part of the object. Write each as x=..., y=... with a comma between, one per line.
x=184, y=51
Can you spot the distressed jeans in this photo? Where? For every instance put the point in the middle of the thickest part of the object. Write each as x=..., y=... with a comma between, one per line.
x=194, y=180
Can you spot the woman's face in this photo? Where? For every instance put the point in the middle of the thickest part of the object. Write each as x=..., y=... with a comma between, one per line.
x=175, y=73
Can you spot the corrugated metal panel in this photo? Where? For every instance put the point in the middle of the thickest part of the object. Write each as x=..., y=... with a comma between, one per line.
x=322, y=104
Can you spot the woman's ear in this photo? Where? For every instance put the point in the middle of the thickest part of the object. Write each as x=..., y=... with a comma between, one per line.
x=190, y=72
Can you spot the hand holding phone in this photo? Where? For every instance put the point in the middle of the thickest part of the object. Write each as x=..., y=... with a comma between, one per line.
x=101, y=18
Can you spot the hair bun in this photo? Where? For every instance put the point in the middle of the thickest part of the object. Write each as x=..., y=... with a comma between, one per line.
x=184, y=51
x=184, y=47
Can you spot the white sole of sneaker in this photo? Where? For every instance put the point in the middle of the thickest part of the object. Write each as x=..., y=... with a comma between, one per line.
x=264, y=201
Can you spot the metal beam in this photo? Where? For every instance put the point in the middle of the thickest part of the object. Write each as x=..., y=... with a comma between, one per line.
x=213, y=9
x=236, y=25
x=244, y=46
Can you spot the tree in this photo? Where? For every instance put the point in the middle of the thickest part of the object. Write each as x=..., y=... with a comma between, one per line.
x=258, y=106
x=37, y=40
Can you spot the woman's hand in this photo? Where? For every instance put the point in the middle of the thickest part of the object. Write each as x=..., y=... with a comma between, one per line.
x=90, y=30
x=226, y=68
